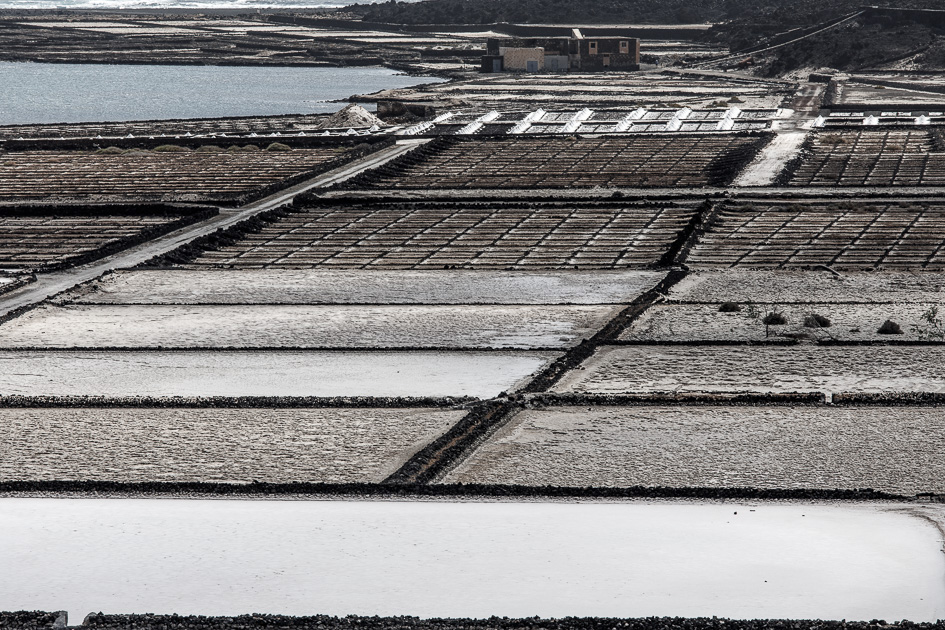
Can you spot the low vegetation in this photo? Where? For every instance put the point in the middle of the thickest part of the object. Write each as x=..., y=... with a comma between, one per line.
x=774, y=318
x=890, y=327
x=931, y=327
x=170, y=148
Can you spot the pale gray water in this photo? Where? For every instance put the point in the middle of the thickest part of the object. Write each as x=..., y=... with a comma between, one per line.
x=179, y=4
x=54, y=93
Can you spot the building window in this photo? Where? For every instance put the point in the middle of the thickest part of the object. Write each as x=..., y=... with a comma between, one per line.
x=625, y=47
x=592, y=47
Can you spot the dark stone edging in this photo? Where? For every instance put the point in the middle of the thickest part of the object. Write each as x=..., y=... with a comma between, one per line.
x=232, y=402
x=102, y=621
x=445, y=491
x=190, y=251
x=439, y=456
x=31, y=620
x=577, y=355
x=680, y=398
x=722, y=170
x=188, y=215
x=225, y=237
x=896, y=399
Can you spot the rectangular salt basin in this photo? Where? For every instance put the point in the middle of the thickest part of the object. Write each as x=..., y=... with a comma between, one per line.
x=305, y=286
x=759, y=369
x=215, y=445
x=747, y=285
x=433, y=559
x=313, y=373
x=305, y=326
x=899, y=450
x=848, y=322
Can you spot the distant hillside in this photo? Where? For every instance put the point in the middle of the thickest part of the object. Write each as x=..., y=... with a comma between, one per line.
x=741, y=25
x=869, y=41
x=779, y=14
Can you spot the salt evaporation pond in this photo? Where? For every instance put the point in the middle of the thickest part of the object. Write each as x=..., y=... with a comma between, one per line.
x=221, y=557
x=294, y=373
x=36, y=93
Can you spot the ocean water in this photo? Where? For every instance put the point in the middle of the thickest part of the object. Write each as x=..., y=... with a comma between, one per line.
x=180, y=4
x=53, y=93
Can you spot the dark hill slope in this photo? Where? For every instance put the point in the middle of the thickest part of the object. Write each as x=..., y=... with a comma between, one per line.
x=776, y=15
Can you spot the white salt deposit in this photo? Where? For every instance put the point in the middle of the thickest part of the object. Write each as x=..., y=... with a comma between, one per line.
x=55, y=373
x=470, y=559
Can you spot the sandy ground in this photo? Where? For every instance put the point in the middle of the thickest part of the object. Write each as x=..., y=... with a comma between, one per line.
x=772, y=160
x=214, y=445
x=764, y=369
x=300, y=286
x=269, y=326
x=434, y=559
x=744, y=285
x=848, y=322
x=898, y=449
x=63, y=373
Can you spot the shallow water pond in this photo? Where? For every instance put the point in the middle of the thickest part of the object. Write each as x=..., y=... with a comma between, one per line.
x=36, y=93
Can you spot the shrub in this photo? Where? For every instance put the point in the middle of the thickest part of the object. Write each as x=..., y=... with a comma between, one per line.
x=170, y=148
x=251, y=147
x=209, y=148
x=932, y=326
x=729, y=307
x=110, y=151
x=278, y=146
x=774, y=318
x=816, y=321
x=889, y=327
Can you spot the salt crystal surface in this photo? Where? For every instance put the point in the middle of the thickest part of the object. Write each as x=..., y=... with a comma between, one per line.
x=434, y=559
